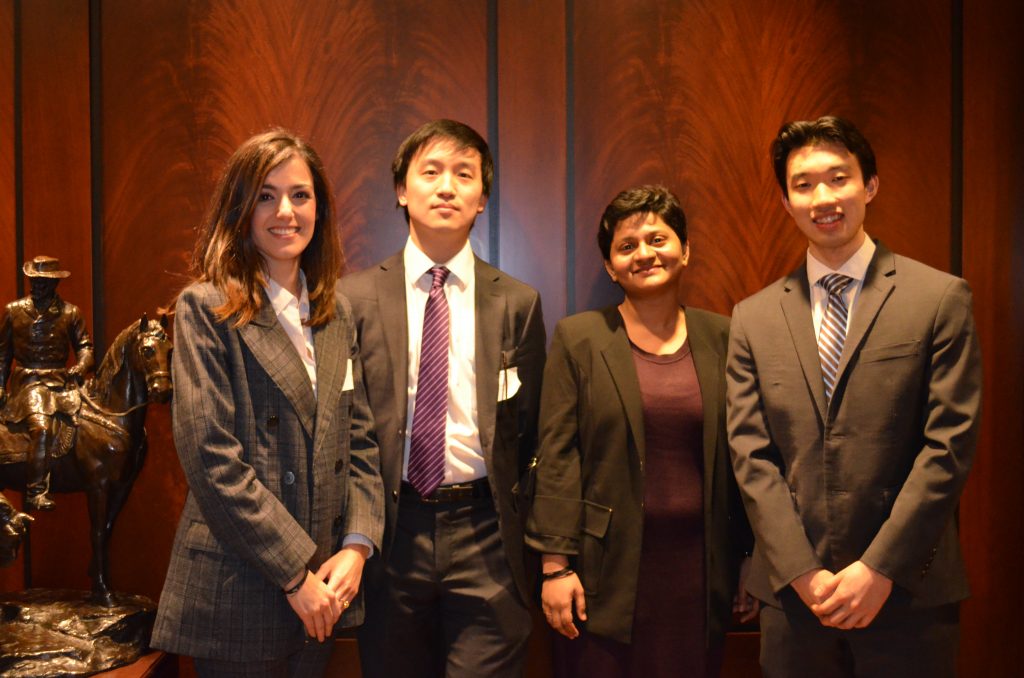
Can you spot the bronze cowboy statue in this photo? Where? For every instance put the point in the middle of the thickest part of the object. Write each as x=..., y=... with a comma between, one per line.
x=36, y=335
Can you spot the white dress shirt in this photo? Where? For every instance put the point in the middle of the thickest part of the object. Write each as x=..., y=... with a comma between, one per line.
x=855, y=267
x=292, y=313
x=464, y=459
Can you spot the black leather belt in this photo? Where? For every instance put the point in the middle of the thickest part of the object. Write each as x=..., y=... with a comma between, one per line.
x=477, y=489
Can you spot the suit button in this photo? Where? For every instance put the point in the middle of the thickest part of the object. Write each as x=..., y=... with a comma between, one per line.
x=272, y=421
x=338, y=465
x=394, y=495
x=336, y=525
x=289, y=478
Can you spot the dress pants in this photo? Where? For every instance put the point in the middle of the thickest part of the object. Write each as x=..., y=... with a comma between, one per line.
x=902, y=642
x=447, y=604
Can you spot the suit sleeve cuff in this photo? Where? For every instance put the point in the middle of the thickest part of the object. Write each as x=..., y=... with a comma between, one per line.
x=359, y=540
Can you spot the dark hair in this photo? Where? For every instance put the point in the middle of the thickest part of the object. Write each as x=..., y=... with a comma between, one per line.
x=827, y=129
x=225, y=254
x=652, y=199
x=461, y=135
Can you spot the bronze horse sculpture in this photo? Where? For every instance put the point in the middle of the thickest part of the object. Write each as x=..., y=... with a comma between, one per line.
x=110, y=444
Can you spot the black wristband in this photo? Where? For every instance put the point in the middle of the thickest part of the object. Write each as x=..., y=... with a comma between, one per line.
x=295, y=589
x=556, y=574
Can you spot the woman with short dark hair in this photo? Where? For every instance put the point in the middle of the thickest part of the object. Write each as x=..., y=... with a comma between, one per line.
x=636, y=510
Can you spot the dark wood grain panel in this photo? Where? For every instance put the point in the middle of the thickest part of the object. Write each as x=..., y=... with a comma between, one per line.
x=433, y=57
x=57, y=202
x=993, y=245
x=899, y=93
x=532, y=149
x=10, y=578
x=695, y=103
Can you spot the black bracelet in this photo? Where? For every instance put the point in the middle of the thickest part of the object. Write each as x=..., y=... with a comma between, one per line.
x=295, y=589
x=556, y=574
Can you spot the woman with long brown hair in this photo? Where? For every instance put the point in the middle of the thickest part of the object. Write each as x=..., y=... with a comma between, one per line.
x=271, y=427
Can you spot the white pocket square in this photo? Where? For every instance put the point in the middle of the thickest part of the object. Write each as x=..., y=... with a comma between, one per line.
x=508, y=383
x=349, y=385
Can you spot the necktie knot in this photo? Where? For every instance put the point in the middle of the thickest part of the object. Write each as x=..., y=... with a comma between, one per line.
x=440, y=274
x=835, y=283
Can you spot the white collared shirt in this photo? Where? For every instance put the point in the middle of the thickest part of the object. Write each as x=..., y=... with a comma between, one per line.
x=292, y=313
x=464, y=459
x=855, y=267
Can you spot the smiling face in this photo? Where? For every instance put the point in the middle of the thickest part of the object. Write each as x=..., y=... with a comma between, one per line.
x=443, y=193
x=284, y=218
x=647, y=257
x=828, y=200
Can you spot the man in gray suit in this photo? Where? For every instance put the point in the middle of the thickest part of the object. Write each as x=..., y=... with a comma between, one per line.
x=854, y=387
x=453, y=351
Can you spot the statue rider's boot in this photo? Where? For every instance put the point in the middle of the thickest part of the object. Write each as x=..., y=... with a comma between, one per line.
x=38, y=483
x=38, y=500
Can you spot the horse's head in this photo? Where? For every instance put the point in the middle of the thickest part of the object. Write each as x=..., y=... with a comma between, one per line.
x=12, y=530
x=150, y=353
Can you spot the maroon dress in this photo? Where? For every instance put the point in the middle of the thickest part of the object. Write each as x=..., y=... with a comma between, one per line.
x=669, y=627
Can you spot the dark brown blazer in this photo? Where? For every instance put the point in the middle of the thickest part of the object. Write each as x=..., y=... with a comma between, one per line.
x=589, y=484
x=276, y=475
x=509, y=333
x=874, y=475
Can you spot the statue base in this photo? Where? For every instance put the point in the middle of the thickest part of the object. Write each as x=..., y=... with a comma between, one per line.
x=59, y=632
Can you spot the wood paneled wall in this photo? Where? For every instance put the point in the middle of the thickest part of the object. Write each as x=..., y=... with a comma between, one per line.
x=128, y=110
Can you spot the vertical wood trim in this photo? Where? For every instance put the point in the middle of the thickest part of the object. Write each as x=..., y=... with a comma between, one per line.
x=10, y=577
x=493, y=135
x=956, y=142
x=570, y=156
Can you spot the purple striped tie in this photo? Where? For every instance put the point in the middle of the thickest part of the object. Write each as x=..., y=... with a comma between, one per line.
x=430, y=412
x=832, y=334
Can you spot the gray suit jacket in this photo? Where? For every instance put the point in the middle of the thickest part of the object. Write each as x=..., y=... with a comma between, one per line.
x=874, y=475
x=276, y=475
x=509, y=333
x=590, y=469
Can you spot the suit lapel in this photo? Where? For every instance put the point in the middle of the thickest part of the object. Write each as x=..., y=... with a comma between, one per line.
x=490, y=340
x=879, y=281
x=394, y=319
x=796, y=306
x=332, y=353
x=707, y=362
x=275, y=353
x=618, y=358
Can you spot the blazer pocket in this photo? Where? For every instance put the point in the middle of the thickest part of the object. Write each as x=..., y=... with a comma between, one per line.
x=595, y=521
x=199, y=538
x=890, y=352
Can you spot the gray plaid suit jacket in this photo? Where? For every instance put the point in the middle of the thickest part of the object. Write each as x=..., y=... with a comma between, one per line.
x=276, y=475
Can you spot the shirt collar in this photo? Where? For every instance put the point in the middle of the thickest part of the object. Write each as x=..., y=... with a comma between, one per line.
x=855, y=267
x=280, y=298
x=462, y=265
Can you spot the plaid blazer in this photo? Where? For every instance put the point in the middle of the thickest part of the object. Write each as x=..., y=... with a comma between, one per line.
x=276, y=475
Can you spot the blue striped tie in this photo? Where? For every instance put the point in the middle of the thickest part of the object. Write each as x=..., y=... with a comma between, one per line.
x=430, y=412
x=832, y=334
